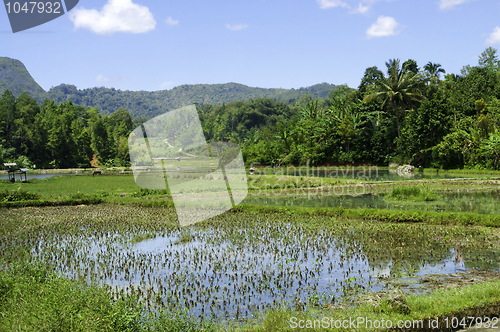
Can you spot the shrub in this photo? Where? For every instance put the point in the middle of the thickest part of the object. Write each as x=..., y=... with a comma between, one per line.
x=17, y=195
x=412, y=193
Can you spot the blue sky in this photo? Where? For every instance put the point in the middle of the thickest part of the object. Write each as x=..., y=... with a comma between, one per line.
x=160, y=44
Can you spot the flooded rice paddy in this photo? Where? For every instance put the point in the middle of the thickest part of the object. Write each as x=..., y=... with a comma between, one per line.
x=242, y=262
x=369, y=173
x=30, y=176
x=483, y=202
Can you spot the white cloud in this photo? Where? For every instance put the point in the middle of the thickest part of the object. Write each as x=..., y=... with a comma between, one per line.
x=354, y=6
x=364, y=6
x=105, y=79
x=326, y=4
x=236, y=27
x=115, y=16
x=361, y=9
x=494, y=37
x=449, y=4
x=171, y=21
x=384, y=27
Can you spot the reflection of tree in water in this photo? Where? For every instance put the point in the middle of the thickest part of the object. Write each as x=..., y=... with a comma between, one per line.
x=402, y=257
x=484, y=259
x=406, y=249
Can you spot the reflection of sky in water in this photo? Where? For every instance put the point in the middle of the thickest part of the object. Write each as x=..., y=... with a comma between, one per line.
x=453, y=265
x=214, y=276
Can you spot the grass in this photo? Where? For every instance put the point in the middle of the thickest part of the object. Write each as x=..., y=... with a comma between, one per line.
x=34, y=299
x=44, y=297
x=465, y=171
x=63, y=186
x=416, y=310
x=412, y=193
x=17, y=195
x=185, y=237
x=287, y=182
x=142, y=237
x=384, y=215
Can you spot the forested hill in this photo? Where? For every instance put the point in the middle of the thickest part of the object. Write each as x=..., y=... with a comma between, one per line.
x=15, y=77
x=148, y=104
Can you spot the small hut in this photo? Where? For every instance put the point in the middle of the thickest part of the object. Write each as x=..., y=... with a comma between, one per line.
x=12, y=170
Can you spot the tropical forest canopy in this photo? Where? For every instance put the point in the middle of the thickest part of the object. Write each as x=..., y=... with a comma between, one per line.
x=402, y=112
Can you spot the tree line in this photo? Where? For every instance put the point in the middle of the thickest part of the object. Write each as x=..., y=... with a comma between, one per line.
x=62, y=135
x=402, y=114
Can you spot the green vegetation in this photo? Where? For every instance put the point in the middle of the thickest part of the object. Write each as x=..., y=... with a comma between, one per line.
x=58, y=187
x=87, y=253
x=393, y=216
x=147, y=104
x=18, y=195
x=142, y=237
x=416, y=311
x=406, y=115
x=68, y=238
x=60, y=136
x=15, y=77
x=32, y=298
x=415, y=193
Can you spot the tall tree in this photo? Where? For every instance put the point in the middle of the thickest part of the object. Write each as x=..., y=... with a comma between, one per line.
x=400, y=90
x=371, y=75
x=489, y=59
x=7, y=117
x=434, y=70
x=26, y=110
x=100, y=141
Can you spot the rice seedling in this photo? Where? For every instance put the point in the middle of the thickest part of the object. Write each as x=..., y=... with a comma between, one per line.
x=252, y=259
x=240, y=263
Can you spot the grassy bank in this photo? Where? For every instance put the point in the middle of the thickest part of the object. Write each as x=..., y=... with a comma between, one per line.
x=441, y=308
x=34, y=299
x=117, y=187
x=383, y=215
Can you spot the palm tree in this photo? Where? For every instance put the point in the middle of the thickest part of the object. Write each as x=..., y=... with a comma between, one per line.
x=434, y=70
x=399, y=90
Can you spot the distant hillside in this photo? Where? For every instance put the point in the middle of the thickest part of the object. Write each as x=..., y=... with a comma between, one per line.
x=15, y=77
x=148, y=104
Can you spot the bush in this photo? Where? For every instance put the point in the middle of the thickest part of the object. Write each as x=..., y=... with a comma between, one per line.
x=412, y=193
x=17, y=195
x=33, y=298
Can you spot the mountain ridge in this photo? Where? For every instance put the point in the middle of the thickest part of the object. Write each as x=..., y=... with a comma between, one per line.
x=16, y=77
